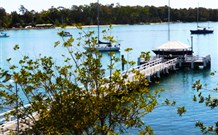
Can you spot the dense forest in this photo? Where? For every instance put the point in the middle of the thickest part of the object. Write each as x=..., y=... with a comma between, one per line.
x=109, y=14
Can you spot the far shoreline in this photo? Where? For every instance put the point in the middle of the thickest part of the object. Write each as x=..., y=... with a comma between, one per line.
x=83, y=26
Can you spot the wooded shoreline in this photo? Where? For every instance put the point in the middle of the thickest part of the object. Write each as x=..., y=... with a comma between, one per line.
x=109, y=14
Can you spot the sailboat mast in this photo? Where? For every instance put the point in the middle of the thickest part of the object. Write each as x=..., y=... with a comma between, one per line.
x=98, y=19
x=198, y=14
x=168, y=20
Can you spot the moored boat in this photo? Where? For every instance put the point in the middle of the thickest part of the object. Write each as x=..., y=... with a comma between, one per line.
x=104, y=46
x=67, y=34
x=202, y=30
x=2, y=35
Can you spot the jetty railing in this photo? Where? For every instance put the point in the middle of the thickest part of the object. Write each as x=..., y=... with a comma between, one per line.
x=197, y=58
x=153, y=67
x=195, y=61
x=11, y=123
x=11, y=118
x=145, y=65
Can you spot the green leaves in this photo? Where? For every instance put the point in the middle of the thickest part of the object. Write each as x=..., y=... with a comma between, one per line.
x=197, y=85
x=61, y=33
x=207, y=129
x=148, y=130
x=209, y=101
x=145, y=55
x=169, y=103
x=9, y=59
x=56, y=43
x=69, y=42
x=181, y=110
x=16, y=47
x=128, y=49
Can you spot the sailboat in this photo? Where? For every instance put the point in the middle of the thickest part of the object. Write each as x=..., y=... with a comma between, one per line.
x=104, y=46
x=201, y=30
x=64, y=33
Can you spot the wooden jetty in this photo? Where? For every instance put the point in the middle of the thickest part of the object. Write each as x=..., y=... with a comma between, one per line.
x=154, y=67
x=170, y=56
x=188, y=61
x=12, y=124
x=158, y=66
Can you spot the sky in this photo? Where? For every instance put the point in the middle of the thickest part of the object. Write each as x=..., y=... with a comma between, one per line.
x=39, y=5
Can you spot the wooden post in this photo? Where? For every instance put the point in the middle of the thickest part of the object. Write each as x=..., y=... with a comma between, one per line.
x=205, y=62
x=122, y=62
x=167, y=70
x=149, y=78
x=158, y=74
x=192, y=44
x=180, y=62
x=174, y=67
x=192, y=64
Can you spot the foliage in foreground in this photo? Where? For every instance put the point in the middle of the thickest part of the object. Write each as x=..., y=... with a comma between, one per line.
x=209, y=101
x=76, y=97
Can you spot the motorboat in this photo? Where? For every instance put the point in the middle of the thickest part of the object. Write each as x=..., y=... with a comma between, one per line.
x=67, y=34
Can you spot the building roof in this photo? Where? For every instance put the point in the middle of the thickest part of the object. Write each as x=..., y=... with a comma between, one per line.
x=173, y=45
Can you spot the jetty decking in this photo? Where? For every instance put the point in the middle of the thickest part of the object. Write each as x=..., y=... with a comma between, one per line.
x=154, y=68
x=157, y=66
x=196, y=61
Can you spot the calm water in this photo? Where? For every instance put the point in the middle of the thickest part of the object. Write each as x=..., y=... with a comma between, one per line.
x=178, y=86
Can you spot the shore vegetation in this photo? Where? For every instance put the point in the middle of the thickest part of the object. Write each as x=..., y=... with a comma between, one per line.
x=109, y=14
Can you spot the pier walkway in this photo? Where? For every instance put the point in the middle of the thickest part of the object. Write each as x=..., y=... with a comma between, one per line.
x=11, y=124
x=154, y=68
x=159, y=65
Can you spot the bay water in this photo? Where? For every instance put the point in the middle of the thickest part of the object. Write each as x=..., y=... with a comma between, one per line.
x=178, y=86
